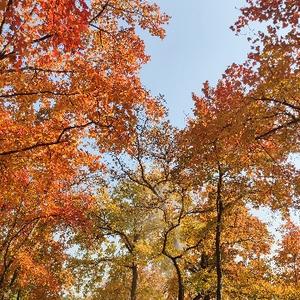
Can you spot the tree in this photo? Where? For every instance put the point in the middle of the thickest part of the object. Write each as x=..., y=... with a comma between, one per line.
x=220, y=147
x=69, y=76
x=247, y=123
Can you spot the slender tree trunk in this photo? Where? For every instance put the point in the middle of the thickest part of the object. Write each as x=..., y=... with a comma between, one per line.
x=219, y=205
x=179, y=280
x=134, y=282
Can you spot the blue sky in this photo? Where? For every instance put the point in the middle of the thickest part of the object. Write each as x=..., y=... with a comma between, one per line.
x=199, y=46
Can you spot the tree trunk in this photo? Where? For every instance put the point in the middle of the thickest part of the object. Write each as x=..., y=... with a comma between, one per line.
x=134, y=282
x=179, y=280
x=219, y=205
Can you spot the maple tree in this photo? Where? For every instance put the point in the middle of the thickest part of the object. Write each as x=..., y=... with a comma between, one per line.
x=224, y=151
x=69, y=75
x=245, y=128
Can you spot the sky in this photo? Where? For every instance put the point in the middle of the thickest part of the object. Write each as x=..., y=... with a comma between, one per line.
x=199, y=46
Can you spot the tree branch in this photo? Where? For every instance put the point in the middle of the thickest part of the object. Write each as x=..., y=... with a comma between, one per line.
x=43, y=144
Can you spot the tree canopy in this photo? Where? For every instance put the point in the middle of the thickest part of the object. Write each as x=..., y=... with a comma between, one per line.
x=102, y=198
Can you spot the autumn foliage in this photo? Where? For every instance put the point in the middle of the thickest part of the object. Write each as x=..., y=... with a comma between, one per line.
x=102, y=198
